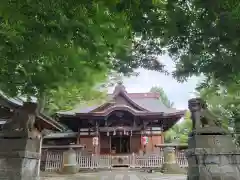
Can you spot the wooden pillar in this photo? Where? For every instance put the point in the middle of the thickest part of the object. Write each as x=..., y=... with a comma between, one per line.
x=152, y=146
x=131, y=132
x=162, y=133
x=78, y=136
x=97, y=134
x=99, y=143
x=130, y=141
x=110, y=144
x=144, y=134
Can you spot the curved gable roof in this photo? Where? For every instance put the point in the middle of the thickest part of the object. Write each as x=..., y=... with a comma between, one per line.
x=140, y=102
x=120, y=91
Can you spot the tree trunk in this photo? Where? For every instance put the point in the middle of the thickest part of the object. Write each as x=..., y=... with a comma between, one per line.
x=41, y=103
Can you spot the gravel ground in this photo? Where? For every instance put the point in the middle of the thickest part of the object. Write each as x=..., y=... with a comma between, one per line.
x=113, y=175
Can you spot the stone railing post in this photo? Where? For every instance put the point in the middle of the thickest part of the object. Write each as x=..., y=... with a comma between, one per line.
x=133, y=160
x=169, y=155
x=70, y=162
x=170, y=165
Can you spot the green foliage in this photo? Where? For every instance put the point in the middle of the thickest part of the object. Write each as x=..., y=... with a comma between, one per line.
x=163, y=96
x=179, y=132
x=116, y=77
x=47, y=43
x=44, y=44
x=224, y=102
x=66, y=98
x=203, y=37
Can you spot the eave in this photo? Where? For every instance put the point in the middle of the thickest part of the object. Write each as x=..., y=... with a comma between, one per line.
x=128, y=109
x=58, y=126
x=15, y=104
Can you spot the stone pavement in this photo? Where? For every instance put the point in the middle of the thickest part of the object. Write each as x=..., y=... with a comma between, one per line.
x=115, y=175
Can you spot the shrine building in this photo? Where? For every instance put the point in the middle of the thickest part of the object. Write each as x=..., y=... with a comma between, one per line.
x=125, y=123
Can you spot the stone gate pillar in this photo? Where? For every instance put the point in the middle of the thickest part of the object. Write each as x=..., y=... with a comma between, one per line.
x=19, y=149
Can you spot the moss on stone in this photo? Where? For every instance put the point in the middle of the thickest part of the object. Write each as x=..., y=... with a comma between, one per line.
x=172, y=169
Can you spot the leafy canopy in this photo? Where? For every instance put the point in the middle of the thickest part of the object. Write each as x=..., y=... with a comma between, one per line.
x=44, y=44
x=67, y=97
x=163, y=96
x=203, y=37
x=179, y=132
x=224, y=102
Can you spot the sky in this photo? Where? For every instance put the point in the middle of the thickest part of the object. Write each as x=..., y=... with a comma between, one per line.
x=178, y=93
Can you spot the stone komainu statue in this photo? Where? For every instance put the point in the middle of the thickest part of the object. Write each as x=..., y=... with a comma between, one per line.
x=201, y=116
x=209, y=119
x=23, y=119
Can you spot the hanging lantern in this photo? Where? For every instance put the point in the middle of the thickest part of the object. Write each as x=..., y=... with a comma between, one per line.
x=144, y=140
x=107, y=133
x=114, y=132
x=95, y=141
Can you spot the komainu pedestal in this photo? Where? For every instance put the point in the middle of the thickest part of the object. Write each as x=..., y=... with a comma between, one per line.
x=19, y=149
x=19, y=158
x=211, y=153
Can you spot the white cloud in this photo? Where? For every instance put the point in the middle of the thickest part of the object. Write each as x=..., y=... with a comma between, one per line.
x=179, y=93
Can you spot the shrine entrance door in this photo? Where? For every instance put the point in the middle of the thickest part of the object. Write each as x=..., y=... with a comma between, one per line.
x=120, y=144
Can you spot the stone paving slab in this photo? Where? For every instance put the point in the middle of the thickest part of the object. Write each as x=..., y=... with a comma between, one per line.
x=166, y=177
x=119, y=175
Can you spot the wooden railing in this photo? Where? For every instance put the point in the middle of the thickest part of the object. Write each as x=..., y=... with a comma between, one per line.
x=54, y=160
x=181, y=159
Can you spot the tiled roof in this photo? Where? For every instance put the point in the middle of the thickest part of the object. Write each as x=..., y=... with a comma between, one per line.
x=144, y=95
x=148, y=101
x=153, y=105
x=80, y=110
